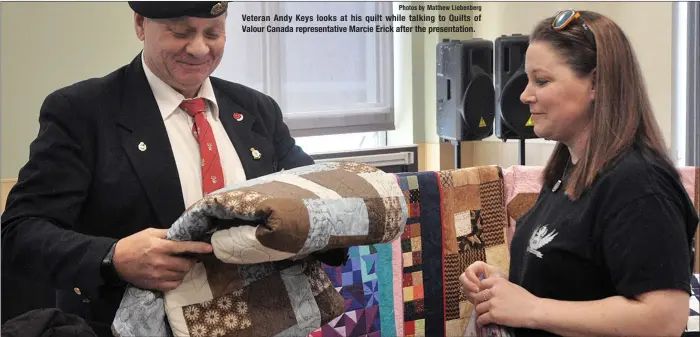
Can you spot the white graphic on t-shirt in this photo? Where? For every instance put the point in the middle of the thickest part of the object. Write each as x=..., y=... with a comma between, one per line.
x=539, y=239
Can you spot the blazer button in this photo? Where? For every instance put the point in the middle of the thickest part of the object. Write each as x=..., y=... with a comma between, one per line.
x=77, y=290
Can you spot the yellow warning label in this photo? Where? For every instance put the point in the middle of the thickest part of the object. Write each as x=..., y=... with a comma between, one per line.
x=482, y=123
x=530, y=122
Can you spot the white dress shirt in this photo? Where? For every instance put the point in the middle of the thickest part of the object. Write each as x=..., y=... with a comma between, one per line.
x=185, y=147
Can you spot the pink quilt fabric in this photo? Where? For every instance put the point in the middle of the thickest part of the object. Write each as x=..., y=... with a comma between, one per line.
x=690, y=176
x=522, y=186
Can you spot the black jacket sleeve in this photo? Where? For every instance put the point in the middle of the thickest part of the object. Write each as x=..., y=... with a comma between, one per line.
x=38, y=240
x=289, y=155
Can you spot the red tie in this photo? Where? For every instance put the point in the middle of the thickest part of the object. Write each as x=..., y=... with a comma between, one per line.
x=212, y=174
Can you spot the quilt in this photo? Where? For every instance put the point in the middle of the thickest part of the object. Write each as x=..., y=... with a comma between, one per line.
x=370, y=283
x=522, y=186
x=261, y=281
x=690, y=177
x=455, y=217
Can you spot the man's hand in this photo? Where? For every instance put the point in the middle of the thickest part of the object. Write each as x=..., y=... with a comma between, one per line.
x=149, y=261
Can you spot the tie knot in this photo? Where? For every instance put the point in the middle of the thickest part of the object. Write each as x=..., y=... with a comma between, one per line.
x=193, y=106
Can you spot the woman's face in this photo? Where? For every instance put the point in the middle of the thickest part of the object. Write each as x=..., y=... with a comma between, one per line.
x=560, y=102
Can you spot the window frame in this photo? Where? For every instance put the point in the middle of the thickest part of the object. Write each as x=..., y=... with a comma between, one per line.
x=686, y=84
x=338, y=121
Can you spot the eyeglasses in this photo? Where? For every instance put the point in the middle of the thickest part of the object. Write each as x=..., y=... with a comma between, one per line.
x=564, y=18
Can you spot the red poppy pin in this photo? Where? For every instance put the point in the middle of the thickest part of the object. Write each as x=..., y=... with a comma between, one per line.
x=237, y=116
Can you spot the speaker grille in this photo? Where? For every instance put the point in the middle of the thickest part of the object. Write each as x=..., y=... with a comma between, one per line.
x=465, y=109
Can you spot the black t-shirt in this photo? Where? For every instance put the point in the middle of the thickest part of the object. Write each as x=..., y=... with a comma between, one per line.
x=630, y=233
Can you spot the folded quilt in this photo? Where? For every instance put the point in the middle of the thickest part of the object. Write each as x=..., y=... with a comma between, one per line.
x=261, y=281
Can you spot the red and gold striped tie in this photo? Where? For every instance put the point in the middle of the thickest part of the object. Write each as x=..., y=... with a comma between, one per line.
x=212, y=173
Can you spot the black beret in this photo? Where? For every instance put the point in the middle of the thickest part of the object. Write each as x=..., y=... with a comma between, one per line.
x=176, y=9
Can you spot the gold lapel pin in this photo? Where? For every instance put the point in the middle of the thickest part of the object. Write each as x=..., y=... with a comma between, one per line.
x=256, y=154
x=142, y=146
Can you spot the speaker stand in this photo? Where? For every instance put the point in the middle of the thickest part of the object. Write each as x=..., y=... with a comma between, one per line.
x=521, y=155
x=458, y=153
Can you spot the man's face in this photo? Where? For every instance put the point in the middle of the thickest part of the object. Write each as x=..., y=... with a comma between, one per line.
x=182, y=52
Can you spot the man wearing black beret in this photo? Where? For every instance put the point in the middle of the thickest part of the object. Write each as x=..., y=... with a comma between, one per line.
x=119, y=158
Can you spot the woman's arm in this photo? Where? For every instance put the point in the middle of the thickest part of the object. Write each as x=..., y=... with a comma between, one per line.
x=657, y=313
x=644, y=240
x=645, y=247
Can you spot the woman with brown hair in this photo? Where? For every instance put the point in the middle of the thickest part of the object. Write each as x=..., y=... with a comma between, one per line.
x=607, y=248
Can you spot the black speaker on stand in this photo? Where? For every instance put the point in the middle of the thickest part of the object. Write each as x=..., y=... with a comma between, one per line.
x=465, y=92
x=513, y=119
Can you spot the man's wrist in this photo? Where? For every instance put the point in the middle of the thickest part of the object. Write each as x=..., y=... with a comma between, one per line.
x=108, y=272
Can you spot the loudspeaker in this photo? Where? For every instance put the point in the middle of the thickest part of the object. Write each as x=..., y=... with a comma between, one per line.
x=465, y=93
x=513, y=120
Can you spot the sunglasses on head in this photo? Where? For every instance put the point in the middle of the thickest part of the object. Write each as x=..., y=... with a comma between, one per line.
x=564, y=18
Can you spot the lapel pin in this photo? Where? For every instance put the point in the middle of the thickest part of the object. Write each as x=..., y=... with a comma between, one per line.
x=238, y=116
x=142, y=146
x=256, y=153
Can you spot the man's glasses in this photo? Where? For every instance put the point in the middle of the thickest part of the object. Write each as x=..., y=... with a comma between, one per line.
x=564, y=18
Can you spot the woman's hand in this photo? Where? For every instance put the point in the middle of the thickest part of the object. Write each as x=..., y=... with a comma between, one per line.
x=503, y=302
x=471, y=278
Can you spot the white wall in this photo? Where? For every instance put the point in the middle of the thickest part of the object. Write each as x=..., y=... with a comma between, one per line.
x=48, y=45
x=648, y=26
